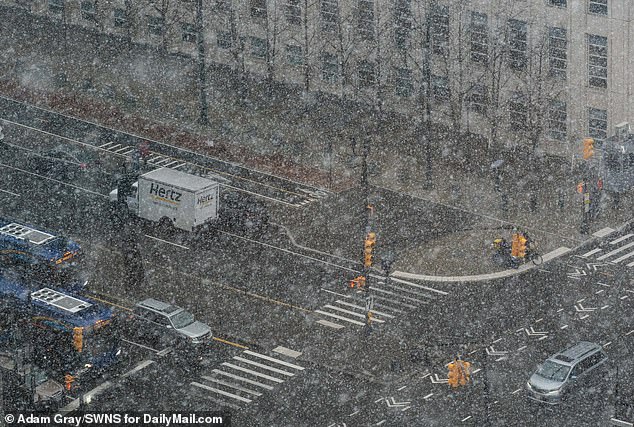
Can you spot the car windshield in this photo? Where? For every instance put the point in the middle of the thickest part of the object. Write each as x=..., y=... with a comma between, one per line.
x=182, y=319
x=553, y=371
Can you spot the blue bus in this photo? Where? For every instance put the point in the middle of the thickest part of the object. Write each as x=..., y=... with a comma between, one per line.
x=75, y=333
x=27, y=244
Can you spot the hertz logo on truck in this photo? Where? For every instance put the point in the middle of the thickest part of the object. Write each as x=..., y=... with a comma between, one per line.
x=205, y=200
x=169, y=195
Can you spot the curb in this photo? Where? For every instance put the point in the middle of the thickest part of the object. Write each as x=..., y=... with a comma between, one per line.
x=512, y=272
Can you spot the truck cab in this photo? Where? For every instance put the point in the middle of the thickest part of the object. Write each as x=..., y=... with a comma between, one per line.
x=131, y=200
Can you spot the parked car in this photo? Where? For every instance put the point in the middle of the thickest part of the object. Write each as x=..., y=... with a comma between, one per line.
x=64, y=162
x=565, y=371
x=170, y=324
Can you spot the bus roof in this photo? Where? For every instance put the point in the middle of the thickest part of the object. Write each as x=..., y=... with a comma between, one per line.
x=25, y=232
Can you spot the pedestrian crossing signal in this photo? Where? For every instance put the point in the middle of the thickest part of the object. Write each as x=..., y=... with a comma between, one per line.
x=370, y=242
x=588, y=148
x=78, y=338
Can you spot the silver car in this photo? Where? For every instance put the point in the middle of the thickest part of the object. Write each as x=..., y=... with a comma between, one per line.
x=169, y=317
x=554, y=378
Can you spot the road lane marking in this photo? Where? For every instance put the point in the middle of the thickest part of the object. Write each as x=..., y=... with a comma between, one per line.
x=620, y=239
x=363, y=308
x=272, y=359
x=325, y=313
x=166, y=241
x=263, y=366
x=10, y=192
x=249, y=371
x=232, y=385
x=603, y=232
x=352, y=313
x=616, y=251
x=563, y=327
x=592, y=252
x=330, y=324
x=287, y=352
x=467, y=418
x=239, y=378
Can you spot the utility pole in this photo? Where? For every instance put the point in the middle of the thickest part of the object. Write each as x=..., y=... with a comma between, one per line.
x=370, y=236
x=203, y=118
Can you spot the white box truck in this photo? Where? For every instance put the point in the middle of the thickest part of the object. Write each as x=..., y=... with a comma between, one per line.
x=171, y=197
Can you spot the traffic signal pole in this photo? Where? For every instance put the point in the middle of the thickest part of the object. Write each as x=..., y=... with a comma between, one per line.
x=370, y=237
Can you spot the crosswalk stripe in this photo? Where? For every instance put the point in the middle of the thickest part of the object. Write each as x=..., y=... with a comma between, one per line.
x=246, y=380
x=128, y=151
x=257, y=374
x=377, y=289
x=361, y=315
x=167, y=159
x=273, y=359
x=263, y=366
x=592, y=252
x=113, y=147
x=103, y=146
x=427, y=288
x=325, y=313
x=616, y=251
x=409, y=291
x=363, y=308
x=170, y=163
x=620, y=239
x=224, y=393
x=228, y=384
x=631, y=264
x=330, y=324
x=389, y=307
x=221, y=403
x=398, y=303
x=626, y=256
x=120, y=149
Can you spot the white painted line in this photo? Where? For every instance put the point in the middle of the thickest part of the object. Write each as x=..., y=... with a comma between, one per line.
x=416, y=285
x=232, y=385
x=428, y=396
x=287, y=352
x=630, y=291
x=325, y=313
x=170, y=164
x=330, y=324
x=563, y=327
x=166, y=241
x=522, y=348
x=380, y=423
x=495, y=402
x=476, y=371
x=167, y=159
x=501, y=358
x=477, y=349
x=592, y=252
x=378, y=400
x=390, y=301
x=96, y=391
x=224, y=393
x=542, y=338
x=249, y=371
x=165, y=351
x=616, y=251
x=113, y=147
x=603, y=284
x=560, y=310
x=335, y=293
x=352, y=313
x=272, y=359
x=142, y=365
x=599, y=291
x=603, y=232
x=103, y=146
x=465, y=419
x=363, y=308
x=405, y=409
x=376, y=289
x=520, y=330
x=581, y=300
x=585, y=316
x=620, y=239
x=399, y=389
x=631, y=264
x=354, y=413
x=119, y=150
x=9, y=192
x=625, y=297
x=630, y=332
x=607, y=344
x=626, y=256
x=604, y=307
x=239, y=378
x=263, y=366
x=126, y=152
x=179, y=166
x=516, y=391
x=497, y=340
x=539, y=320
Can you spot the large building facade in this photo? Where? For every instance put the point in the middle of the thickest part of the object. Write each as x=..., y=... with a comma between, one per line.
x=539, y=73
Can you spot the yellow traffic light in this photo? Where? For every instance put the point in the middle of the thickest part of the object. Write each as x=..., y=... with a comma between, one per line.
x=521, y=246
x=370, y=241
x=455, y=374
x=588, y=148
x=515, y=244
x=78, y=338
x=68, y=381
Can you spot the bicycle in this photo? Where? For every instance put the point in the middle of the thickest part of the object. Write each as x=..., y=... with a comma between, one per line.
x=533, y=255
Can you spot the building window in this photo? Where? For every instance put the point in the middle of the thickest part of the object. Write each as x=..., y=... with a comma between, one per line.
x=403, y=82
x=258, y=8
x=558, y=3
x=440, y=88
x=329, y=10
x=88, y=11
x=155, y=25
x=329, y=67
x=440, y=30
x=189, y=32
x=517, y=44
x=518, y=112
x=294, y=55
x=293, y=12
x=120, y=18
x=597, y=61
x=56, y=6
x=558, y=45
x=479, y=38
x=259, y=48
x=365, y=17
x=223, y=6
x=557, y=127
x=402, y=22
x=599, y=7
x=597, y=124
x=223, y=40
x=367, y=74
x=478, y=98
